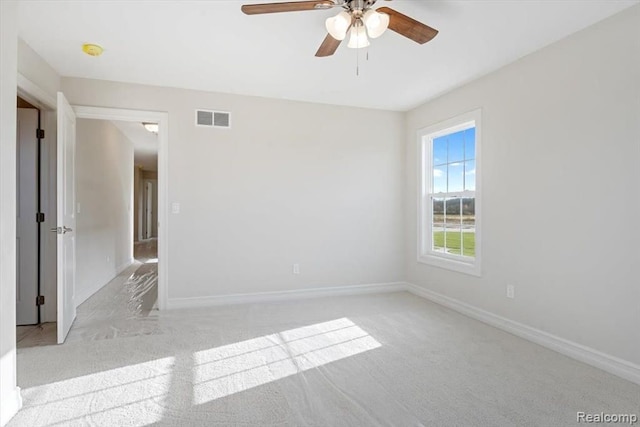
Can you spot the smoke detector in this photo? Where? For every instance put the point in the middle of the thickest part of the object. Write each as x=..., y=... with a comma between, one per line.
x=92, y=49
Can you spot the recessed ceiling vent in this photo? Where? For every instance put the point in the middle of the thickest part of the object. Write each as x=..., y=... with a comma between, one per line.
x=213, y=119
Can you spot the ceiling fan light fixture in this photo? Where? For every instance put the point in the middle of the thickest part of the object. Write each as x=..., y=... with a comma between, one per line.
x=376, y=23
x=338, y=25
x=358, y=38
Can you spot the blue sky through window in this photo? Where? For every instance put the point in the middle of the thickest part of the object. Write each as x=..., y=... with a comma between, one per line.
x=454, y=164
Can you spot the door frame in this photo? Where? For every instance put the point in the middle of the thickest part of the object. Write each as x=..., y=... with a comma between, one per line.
x=40, y=98
x=47, y=104
x=162, y=118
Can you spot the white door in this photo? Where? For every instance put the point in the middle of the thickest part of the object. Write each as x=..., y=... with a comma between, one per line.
x=27, y=226
x=66, y=205
x=149, y=208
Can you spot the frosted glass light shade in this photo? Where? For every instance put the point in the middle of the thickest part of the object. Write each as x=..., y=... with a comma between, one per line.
x=151, y=127
x=358, y=38
x=376, y=23
x=338, y=25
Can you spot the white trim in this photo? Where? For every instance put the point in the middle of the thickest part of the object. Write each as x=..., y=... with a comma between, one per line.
x=10, y=404
x=80, y=298
x=262, y=297
x=35, y=92
x=459, y=263
x=452, y=125
x=614, y=365
x=122, y=267
x=162, y=118
x=450, y=262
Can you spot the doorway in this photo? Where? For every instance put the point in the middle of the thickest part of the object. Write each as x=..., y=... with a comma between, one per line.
x=35, y=291
x=28, y=214
x=50, y=109
x=154, y=223
x=150, y=203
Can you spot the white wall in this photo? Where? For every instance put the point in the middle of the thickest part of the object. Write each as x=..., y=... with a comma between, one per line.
x=291, y=182
x=9, y=393
x=104, y=191
x=37, y=70
x=561, y=172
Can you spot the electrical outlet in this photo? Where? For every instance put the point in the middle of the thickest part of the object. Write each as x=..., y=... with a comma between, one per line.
x=175, y=208
x=296, y=268
x=108, y=259
x=511, y=291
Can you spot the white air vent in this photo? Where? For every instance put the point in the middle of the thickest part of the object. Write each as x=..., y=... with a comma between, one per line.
x=213, y=119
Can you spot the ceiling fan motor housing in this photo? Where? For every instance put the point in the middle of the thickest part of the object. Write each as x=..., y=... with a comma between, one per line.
x=357, y=7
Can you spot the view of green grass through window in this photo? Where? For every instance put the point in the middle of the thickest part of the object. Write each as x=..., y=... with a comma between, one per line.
x=453, y=193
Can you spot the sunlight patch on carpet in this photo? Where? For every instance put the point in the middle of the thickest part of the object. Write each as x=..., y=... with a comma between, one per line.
x=230, y=369
x=103, y=396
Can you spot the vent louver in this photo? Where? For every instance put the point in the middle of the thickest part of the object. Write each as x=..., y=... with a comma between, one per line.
x=214, y=119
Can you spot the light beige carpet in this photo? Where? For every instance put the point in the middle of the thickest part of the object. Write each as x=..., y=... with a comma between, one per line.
x=378, y=360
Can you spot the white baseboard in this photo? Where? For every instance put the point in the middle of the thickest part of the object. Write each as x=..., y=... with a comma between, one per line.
x=122, y=267
x=80, y=298
x=176, y=303
x=616, y=366
x=606, y=362
x=10, y=405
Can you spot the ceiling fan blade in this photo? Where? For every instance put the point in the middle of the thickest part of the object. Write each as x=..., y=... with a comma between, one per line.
x=328, y=46
x=292, y=6
x=408, y=27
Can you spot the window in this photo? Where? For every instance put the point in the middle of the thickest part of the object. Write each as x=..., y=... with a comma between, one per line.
x=449, y=223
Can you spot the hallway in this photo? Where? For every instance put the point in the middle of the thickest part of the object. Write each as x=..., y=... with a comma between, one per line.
x=122, y=308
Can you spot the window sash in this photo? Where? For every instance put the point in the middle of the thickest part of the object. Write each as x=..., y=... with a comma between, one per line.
x=455, y=194
x=429, y=247
x=429, y=229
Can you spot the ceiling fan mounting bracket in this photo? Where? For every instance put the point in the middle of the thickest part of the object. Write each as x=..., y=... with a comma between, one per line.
x=357, y=7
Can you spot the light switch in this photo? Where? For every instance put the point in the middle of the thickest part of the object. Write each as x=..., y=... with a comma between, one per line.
x=175, y=207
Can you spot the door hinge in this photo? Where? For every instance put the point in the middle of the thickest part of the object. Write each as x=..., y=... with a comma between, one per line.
x=40, y=133
x=40, y=300
x=40, y=217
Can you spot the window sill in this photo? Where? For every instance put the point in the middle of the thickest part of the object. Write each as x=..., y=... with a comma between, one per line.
x=470, y=268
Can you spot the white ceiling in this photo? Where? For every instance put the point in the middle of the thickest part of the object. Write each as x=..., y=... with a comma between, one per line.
x=145, y=144
x=212, y=45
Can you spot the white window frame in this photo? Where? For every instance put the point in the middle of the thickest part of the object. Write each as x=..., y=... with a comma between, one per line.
x=426, y=254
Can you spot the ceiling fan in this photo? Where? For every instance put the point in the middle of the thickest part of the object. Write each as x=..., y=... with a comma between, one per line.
x=358, y=18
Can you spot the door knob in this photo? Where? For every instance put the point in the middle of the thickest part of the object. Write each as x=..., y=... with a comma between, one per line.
x=61, y=230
